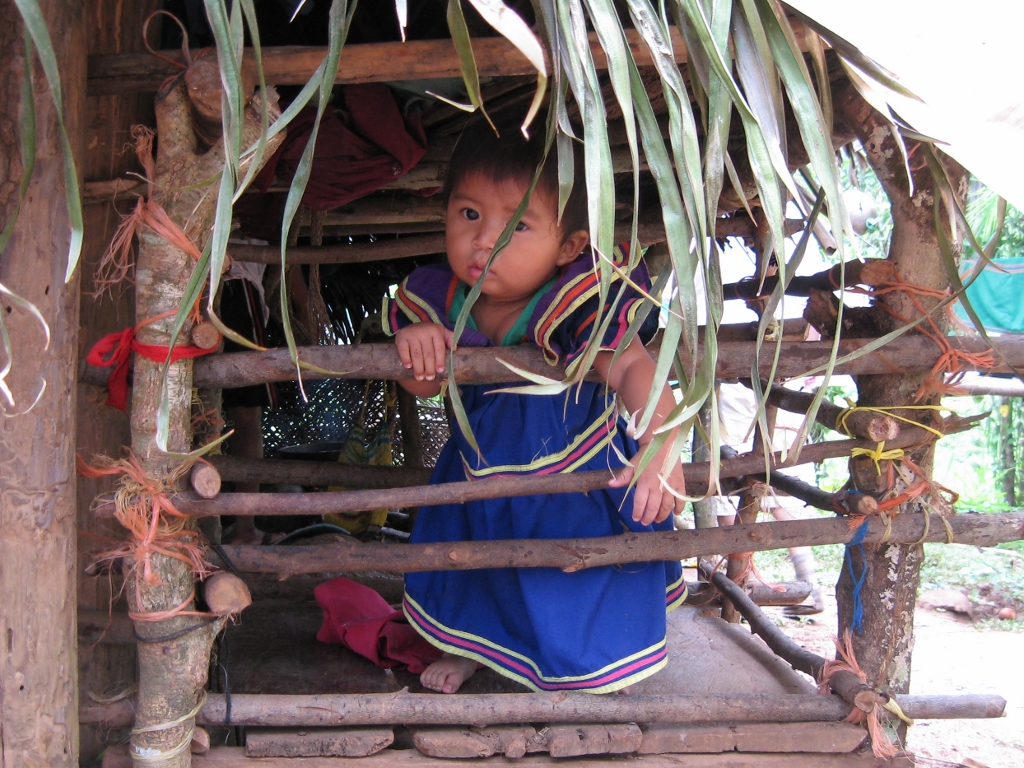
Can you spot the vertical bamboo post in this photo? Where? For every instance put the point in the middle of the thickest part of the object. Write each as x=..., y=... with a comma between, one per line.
x=38, y=633
x=883, y=648
x=172, y=672
x=704, y=513
x=750, y=505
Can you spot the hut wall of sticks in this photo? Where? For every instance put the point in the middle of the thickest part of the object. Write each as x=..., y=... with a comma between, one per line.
x=136, y=633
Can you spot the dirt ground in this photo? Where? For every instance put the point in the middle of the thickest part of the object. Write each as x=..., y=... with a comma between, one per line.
x=950, y=657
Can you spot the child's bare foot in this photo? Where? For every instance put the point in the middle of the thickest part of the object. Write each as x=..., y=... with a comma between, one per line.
x=446, y=675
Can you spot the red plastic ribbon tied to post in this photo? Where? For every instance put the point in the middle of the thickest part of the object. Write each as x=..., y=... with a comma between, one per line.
x=115, y=350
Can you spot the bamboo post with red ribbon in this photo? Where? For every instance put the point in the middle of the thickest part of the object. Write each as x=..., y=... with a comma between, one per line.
x=172, y=225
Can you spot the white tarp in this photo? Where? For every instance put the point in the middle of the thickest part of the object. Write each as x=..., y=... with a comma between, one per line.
x=963, y=59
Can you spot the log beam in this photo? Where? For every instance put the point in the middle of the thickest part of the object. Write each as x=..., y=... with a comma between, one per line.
x=648, y=233
x=320, y=710
x=577, y=554
x=367, y=63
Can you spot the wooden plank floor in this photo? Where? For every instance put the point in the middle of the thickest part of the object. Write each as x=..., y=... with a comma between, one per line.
x=234, y=757
x=274, y=649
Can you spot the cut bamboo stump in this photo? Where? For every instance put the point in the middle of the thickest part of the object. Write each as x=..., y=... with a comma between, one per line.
x=332, y=710
x=871, y=426
x=205, y=335
x=576, y=554
x=205, y=480
x=226, y=594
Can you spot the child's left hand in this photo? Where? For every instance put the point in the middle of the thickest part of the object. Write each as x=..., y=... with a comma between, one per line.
x=652, y=502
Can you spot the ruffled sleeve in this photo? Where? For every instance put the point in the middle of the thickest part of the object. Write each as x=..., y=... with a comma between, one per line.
x=564, y=320
x=426, y=296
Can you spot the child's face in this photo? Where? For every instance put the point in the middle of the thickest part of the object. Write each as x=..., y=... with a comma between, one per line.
x=478, y=211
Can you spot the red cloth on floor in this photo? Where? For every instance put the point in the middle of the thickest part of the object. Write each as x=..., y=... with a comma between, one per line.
x=359, y=148
x=360, y=619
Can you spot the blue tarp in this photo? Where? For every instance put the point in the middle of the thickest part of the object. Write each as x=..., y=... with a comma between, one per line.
x=997, y=295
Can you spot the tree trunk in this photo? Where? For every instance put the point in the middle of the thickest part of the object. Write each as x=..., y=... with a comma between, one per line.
x=883, y=647
x=38, y=634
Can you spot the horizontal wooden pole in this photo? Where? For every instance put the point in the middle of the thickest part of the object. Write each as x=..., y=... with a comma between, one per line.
x=733, y=332
x=908, y=353
x=286, y=471
x=400, y=494
x=117, y=629
x=577, y=554
x=318, y=710
x=868, y=272
x=992, y=385
x=385, y=249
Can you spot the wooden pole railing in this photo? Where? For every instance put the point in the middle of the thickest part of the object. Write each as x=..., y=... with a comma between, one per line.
x=577, y=554
x=315, y=473
x=483, y=365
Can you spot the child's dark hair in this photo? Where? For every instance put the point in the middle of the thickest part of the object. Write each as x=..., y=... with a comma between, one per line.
x=509, y=156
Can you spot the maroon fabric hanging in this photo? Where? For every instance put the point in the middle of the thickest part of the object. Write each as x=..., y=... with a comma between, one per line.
x=353, y=157
x=363, y=144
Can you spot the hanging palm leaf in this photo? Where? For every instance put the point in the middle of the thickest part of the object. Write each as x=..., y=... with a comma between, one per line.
x=743, y=61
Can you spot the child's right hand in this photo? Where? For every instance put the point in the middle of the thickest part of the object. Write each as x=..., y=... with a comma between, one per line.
x=422, y=347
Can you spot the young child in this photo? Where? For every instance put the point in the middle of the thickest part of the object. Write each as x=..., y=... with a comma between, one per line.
x=600, y=629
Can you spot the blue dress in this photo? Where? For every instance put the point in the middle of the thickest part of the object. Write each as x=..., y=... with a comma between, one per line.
x=596, y=630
